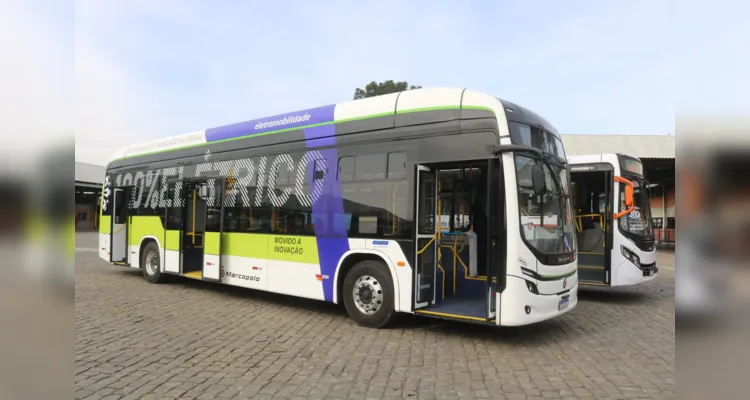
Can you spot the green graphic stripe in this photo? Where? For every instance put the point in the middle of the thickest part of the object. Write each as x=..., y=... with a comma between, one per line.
x=211, y=243
x=105, y=224
x=173, y=241
x=298, y=249
x=141, y=226
x=414, y=110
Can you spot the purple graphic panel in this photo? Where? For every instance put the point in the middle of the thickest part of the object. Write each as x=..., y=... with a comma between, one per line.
x=277, y=122
x=328, y=212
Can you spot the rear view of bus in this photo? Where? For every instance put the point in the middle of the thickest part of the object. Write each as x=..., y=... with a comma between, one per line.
x=616, y=242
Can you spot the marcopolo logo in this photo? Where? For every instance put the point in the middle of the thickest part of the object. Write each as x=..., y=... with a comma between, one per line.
x=244, y=277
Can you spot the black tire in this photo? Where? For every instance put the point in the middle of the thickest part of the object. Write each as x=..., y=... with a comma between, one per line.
x=381, y=278
x=150, y=255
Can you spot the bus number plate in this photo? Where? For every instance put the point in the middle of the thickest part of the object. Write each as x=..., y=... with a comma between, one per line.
x=563, y=304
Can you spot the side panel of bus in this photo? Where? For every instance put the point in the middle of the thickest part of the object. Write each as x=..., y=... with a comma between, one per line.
x=292, y=214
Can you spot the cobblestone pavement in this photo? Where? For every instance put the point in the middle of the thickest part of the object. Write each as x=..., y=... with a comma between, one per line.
x=190, y=339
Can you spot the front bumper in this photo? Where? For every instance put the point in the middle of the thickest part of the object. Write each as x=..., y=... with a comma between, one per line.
x=649, y=270
x=518, y=306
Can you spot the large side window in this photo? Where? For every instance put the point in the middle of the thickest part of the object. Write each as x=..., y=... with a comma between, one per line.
x=346, y=169
x=292, y=216
x=282, y=175
x=257, y=217
x=174, y=195
x=241, y=213
x=213, y=208
x=376, y=195
x=370, y=167
x=396, y=165
x=398, y=226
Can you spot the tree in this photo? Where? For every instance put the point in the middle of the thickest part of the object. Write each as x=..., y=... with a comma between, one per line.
x=373, y=89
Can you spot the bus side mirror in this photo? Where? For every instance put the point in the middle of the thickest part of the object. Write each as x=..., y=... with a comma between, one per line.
x=629, y=194
x=538, y=180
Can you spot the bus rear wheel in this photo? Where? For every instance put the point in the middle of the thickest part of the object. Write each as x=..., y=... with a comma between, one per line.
x=150, y=263
x=368, y=294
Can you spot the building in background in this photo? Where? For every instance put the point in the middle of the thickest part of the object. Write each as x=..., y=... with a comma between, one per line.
x=657, y=152
x=88, y=186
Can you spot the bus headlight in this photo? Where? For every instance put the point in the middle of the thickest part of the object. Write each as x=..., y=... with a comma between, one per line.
x=632, y=257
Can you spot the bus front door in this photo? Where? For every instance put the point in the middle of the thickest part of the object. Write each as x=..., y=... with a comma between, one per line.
x=496, y=239
x=118, y=251
x=425, y=236
x=593, y=223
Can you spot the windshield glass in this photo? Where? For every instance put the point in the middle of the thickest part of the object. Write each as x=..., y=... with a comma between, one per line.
x=526, y=135
x=639, y=221
x=546, y=221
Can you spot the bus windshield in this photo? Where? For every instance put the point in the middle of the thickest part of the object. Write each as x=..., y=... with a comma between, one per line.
x=546, y=221
x=637, y=222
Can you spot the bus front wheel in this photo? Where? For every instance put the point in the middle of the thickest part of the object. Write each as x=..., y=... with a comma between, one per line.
x=368, y=294
x=150, y=263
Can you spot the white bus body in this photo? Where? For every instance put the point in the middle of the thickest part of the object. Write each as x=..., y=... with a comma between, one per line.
x=616, y=242
x=339, y=203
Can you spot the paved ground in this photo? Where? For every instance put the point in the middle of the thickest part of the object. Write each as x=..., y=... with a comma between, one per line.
x=191, y=339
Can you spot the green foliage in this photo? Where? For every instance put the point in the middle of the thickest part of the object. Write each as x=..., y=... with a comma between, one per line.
x=373, y=89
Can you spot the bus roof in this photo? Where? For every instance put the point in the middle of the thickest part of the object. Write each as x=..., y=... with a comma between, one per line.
x=601, y=157
x=425, y=105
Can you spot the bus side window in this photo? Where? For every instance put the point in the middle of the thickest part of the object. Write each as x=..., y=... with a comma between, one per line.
x=320, y=170
x=122, y=203
x=396, y=165
x=370, y=167
x=346, y=169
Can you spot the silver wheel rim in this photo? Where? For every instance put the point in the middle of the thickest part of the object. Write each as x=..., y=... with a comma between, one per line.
x=152, y=263
x=367, y=294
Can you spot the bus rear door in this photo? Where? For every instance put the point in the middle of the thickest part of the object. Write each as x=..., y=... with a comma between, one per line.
x=118, y=251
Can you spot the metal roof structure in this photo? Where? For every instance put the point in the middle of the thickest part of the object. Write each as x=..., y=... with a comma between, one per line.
x=641, y=146
x=89, y=174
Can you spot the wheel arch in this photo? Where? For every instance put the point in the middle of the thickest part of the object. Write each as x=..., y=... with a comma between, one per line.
x=351, y=258
x=144, y=242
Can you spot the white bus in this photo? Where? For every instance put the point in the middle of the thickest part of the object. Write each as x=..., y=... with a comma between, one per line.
x=613, y=221
x=342, y=203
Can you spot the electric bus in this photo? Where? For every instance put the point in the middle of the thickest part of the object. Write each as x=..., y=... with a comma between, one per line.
x=443, y=202
x=616, y=244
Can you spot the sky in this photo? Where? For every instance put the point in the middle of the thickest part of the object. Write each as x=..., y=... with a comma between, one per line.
x=141, y=70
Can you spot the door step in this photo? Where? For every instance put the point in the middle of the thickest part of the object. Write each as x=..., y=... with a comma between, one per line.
x=589, y=283
x=446, y=315
x=194, y=275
